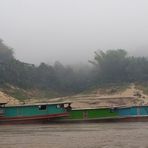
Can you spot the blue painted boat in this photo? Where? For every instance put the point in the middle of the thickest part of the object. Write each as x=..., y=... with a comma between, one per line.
x=132, y=113
x=35, y=113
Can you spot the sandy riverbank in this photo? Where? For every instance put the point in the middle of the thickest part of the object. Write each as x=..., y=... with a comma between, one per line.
x=95, y=98
x=127, y=97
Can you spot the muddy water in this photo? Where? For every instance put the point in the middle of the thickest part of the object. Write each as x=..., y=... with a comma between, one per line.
x=108, y=135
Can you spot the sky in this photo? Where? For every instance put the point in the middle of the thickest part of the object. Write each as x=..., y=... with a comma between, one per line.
x=70, y=31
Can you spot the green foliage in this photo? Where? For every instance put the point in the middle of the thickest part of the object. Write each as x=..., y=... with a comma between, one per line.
x=19, y=94
x=110, y=67
x=25, y=94
x=6, y=53
x=114, y=66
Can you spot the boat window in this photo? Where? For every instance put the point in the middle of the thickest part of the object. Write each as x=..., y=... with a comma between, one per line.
x=42, y=107
x=61, y=105
x=58, y=106
x=1, y=111
x=112, y=110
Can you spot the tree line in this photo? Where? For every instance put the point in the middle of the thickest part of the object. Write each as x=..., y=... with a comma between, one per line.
x=112, y=66
x=115, y=66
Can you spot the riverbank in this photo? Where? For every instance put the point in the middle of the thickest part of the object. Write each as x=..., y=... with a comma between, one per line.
x=109, y=97
x=128, y=96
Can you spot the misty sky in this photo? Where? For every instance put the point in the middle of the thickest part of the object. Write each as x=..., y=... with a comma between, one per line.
x=71, y=30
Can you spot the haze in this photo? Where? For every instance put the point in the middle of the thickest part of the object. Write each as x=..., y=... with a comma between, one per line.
x=71, y=30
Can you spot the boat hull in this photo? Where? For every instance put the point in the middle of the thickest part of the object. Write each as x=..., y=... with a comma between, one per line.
x=37, y=113
x=31, y=119
x=103, y=120
x=117, y=114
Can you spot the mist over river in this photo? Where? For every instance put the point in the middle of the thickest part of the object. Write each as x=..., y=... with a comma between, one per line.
x=94, y=135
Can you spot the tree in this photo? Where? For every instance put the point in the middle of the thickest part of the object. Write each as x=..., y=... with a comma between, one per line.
x=137, y=69
x=111, y=65
x=6, y=53
x=46, y=77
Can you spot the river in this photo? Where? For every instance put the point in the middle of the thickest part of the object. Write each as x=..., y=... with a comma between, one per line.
x=104, y=135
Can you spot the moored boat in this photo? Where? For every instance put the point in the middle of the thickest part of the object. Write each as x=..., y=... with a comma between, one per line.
x=36, y=113
x=106, y=114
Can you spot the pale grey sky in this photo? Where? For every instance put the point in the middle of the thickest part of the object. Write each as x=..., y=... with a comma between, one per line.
x=71, y=30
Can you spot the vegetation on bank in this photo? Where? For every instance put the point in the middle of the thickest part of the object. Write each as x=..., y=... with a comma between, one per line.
x=22, y=94
x=110, y=67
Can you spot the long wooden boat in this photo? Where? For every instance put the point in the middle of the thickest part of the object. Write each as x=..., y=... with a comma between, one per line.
x=106, y=114
x=36, y=113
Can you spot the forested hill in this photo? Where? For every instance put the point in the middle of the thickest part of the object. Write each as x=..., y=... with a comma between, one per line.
x=112, y=66
x=55, y=77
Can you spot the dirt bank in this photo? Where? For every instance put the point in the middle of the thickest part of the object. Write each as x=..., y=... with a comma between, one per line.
x=4, y=98
x=127, y=97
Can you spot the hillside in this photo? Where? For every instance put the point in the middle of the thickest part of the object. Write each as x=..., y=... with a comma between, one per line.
x=4, y=98
x=130, y=95
x=127, y=96
x=24, y=81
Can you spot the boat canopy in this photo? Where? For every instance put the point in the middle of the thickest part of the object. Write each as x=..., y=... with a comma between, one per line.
x=2, y=104
x=36, y=104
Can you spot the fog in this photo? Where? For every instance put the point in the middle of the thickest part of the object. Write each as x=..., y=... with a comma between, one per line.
x=71, y=30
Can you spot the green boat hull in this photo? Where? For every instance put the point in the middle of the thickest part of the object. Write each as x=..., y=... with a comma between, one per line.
x=88, y=115
x=117, y=114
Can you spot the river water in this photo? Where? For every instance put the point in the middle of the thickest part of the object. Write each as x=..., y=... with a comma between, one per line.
x=101, y=135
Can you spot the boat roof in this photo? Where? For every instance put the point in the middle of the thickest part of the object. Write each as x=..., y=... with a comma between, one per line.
x=145, y=105
x=3, y=103
x=109, y=107
x=37, y=104
x=90, y=108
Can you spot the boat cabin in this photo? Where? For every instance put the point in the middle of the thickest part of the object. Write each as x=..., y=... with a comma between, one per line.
x=32, y=112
